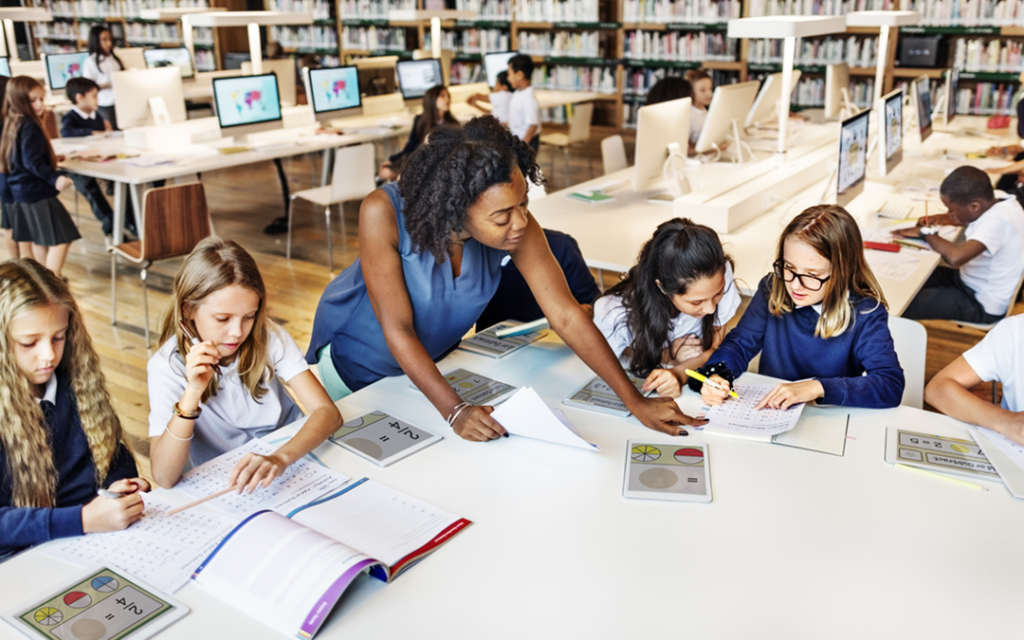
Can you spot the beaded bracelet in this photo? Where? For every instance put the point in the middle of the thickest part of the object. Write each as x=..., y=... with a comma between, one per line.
x=190, y=415
x=454, y=415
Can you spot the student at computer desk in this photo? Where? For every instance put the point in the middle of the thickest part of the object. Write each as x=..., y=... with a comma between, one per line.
x=674, y=88
x=430, y=249
x=436, y=104
x=820, y=318
x=703, y=90
x=986, y=266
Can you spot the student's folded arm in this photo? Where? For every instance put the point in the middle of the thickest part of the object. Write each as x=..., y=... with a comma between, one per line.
x=746, y=340
x=71, y=131
x=956, y=254
x=949, y=391
x=26, y=526
x=882, y=385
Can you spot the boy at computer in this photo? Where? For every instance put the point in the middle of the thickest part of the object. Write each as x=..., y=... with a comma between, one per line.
x=986, y=266
x=524, y=110
x=83, y=120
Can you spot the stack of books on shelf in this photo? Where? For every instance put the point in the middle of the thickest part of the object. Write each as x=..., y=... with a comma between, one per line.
x=681, y=46
x=968, y=13
x=681, y=11
x=374, y=38
x=557, y=11
x=856, y=51
x=988, y=56
x=568, y=44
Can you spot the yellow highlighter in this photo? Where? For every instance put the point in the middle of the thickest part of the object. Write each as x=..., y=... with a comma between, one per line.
x=696, y=376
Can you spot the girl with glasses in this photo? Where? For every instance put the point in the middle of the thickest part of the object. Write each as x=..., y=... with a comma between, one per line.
x=819, y=318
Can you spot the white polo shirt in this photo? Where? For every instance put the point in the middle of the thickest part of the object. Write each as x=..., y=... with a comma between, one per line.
x=102, y=73
x=523, y=112
x=1000, y=356
x=501, y=102
x=232, y=417
x=993, y=275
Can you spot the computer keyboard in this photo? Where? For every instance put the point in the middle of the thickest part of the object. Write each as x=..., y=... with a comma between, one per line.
x=895, y=210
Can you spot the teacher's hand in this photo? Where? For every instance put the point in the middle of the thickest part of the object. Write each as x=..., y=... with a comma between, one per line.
x=477, y=425
x=663, y=414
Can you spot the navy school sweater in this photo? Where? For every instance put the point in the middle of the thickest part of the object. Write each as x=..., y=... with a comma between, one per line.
x=73, y=125
x=31, y=179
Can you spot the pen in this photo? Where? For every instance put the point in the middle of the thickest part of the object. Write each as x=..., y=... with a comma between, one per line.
x=192, y=337
x=696, y=376
x=925, y=472
x=113, y=495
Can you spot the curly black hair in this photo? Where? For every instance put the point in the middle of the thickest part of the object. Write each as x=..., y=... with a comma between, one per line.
x=445, y=176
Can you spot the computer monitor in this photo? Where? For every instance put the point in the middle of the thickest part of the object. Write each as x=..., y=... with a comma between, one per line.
x=729, y=103
x=952, y=80
x=61, y=67
x=334, y=92
x=495, y=63
x=890, y=109
x=376, y=75
x=177, y=57
x=416, y=77
x=5, y=66
x=657, y=126
x=853, y=157
x=837, y=80
x=921, y=98
x=766, y=105
x=247, y=104
x=134, y=88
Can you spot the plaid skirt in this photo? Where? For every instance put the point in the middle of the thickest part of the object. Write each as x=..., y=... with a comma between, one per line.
x=45, y=223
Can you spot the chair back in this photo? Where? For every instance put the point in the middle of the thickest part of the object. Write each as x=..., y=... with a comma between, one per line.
x=383, y=105
x=284, y=69
x=174, y=220
x=354, y=173
x=910, y=339
x=579, y=128
x=613, y=152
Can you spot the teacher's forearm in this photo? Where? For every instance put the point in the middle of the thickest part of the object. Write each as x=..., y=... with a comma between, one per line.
x=412, y=356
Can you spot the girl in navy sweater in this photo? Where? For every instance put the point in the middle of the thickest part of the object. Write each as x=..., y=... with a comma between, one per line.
x=820, y=317
x=30, y=169
x=60, y=440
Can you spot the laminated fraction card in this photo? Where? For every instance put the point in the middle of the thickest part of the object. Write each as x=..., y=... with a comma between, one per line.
x=488, y=344
x=667, y=472
x=938, y=453
x=476, y=389
x=100, y=604
x=596, y=395
x=382, y=439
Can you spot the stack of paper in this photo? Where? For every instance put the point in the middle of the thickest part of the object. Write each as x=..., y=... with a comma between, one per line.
x=739, y=418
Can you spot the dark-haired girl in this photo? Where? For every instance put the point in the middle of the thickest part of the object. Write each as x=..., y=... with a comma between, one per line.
x=670, y=310
x=430, y=252
x=100, y=67
x=436, y=104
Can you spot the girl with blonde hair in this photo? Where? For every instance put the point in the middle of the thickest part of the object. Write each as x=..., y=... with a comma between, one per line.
x=819, y=317
x=214, y=395
x=60, y=440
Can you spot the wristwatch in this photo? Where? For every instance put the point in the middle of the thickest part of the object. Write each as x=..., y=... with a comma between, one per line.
x=928, y=231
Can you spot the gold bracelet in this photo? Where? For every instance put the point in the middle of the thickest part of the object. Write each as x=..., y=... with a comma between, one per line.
x=189, y=415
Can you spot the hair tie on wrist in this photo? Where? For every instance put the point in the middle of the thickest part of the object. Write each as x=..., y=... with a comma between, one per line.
x=454, y=415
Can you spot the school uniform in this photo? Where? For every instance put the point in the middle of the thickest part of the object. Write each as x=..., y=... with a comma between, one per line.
x=76, y=475
x=232, y=417
x=1000, y=357
x=6, y=198
x=611, y=318
x=524, y=112
x=697, y=118
x=36, y=215
x=857, y=368
x=102, y=72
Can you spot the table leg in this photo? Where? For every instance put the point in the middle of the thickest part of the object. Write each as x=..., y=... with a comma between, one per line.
x=140, y=217
x=284, y=183
x=119, y=202
x=325, y=171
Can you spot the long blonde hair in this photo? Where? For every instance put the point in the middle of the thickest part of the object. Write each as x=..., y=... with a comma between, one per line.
x=213, y=265
x=834, y=234
x=17, y=112
x=26, y=285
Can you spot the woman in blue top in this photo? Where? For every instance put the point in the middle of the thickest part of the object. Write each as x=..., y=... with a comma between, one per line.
x=430, y=252
x=820, y=319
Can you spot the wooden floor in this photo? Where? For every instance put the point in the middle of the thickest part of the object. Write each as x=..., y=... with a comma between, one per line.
x=242, y=201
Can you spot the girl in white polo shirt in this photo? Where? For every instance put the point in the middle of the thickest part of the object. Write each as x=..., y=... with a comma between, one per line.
x=668, y=314
x=227, y=387
x=100, y=67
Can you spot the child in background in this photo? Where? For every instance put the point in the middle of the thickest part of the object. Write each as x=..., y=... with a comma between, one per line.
x=703, y=90
x=100, y=67
x=227, y=389
x=60, y=440
x=5, y=192
x=500, y=99
x=523, y=110
x=436, y=103
x=672, y=88
x=29, y=166
x=84, y=120
x=820, y=318
x=671, y=308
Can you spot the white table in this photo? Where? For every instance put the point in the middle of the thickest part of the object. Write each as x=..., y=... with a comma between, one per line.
x=796, y=544
x=546, y=98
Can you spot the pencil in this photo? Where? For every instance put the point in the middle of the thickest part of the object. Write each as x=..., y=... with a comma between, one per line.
x=194, y=340
x=199, y=501
x=696, y=376
x=925, y=472
x=926, y=213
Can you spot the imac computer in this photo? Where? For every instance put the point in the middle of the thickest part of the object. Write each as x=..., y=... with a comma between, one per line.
x=853, y=158
x=334, y=93
x=890, y=108
x=247, y=104
x=177, y=57
x=657, y=127
x=837, y=89
x=495, y=63
x=5, y=66
x=416, y=77
x=376, y=75
x=921, y=98
x=952, y=80
x=61, y=67
x=766, y=106
x=730, y=104
x=134, y=89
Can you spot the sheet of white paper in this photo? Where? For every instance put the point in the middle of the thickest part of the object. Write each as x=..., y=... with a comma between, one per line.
x=739, y=418
x=300, y=484
x=160, y=550
x=1007, y=458
x=525, y=414
x=893, y=266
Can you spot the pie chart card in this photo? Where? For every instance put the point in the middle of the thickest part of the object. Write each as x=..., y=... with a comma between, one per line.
x=382, y=439
x=667, y=472
x=100, y=604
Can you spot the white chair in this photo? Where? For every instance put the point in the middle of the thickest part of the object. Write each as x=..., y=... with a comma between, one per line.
x=910, y=339
x=579, y=131
x=353, y=179
x=613, y=153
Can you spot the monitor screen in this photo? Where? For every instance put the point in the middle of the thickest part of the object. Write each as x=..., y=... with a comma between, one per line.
x=177, y=57
x=416, y=77
x=334, y=88
x=853, y=152
x=952, y=80
x=495, y=63
x=893, y=125
x=5, y=66
x=923, y=93
x=61, y=67
x=246, y=100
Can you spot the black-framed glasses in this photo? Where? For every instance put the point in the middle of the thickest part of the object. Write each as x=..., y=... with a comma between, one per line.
x=811, y=283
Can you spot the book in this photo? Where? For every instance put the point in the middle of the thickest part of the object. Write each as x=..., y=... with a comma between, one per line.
x=290, y=571
x=592, y=198
x=596, y=395
x=487, y=343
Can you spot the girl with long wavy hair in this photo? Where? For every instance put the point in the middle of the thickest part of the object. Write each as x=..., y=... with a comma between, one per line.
x=60, y=440
x=212, y=395
x=668, y=313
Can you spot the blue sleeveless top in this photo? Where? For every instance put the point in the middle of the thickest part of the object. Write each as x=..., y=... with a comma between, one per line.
x=443, y=308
